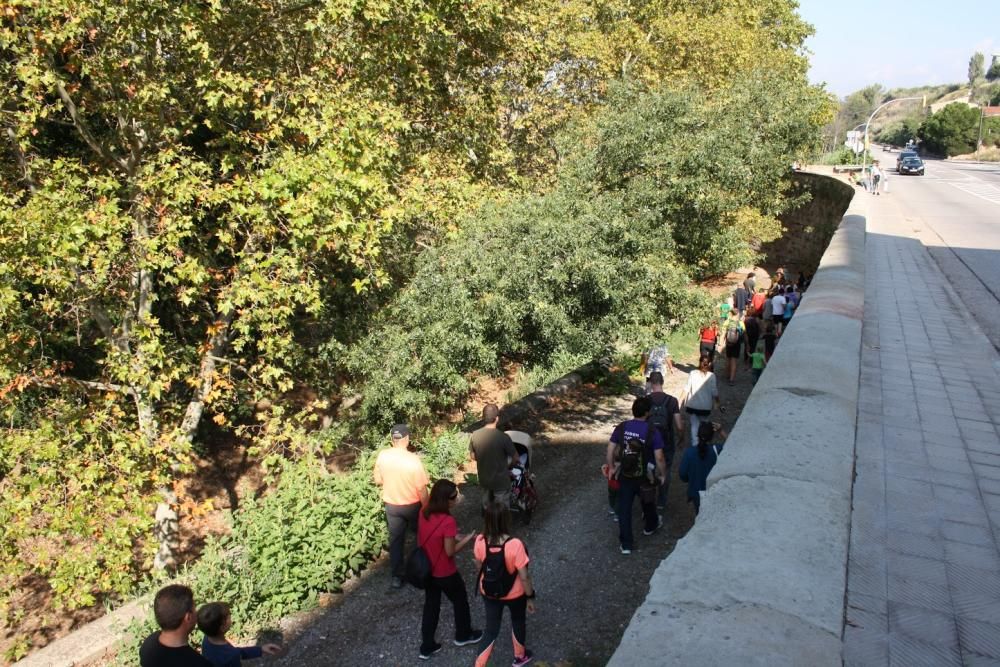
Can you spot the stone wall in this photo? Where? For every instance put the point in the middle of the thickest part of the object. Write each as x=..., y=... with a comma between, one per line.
x=809, y=228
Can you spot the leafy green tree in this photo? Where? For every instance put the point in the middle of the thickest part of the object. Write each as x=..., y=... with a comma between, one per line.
x=976, y=67
x=993, y=73
x=606, y=255
x=182, y=185
x=952, y=130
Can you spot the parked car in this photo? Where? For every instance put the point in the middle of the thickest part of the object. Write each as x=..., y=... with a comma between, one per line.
x=911, y=165
x=905, y=153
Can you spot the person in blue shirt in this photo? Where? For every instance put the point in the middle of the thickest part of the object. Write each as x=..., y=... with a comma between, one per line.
x=637, y=476
x=214, y=620
x=698, y=461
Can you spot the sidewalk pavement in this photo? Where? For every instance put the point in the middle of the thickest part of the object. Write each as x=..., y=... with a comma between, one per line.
x=924, y=564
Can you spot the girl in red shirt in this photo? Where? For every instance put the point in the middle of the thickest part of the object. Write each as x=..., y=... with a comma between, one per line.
x=437, y=533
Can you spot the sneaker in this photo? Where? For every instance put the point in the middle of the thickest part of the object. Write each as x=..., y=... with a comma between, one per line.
x=612, y=511
x=625, y=551
x=426, y=655
x=659, y=524
x=523, y=660
x=473, y=638
x=397, y=582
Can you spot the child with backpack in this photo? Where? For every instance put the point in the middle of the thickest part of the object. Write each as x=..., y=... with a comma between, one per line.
x=734, y=337
x=504, y=582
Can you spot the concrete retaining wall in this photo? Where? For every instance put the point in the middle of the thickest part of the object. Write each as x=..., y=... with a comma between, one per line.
x=761, y=578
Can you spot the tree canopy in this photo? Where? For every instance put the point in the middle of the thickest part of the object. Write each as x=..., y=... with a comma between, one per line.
x=208, y=207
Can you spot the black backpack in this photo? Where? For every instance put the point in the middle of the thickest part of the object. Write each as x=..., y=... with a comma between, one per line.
x=658, y=417
x=493, y=574
x=632, y=456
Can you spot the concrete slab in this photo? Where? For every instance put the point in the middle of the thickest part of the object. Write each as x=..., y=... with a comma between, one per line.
x=768, y=542
x=741, y=634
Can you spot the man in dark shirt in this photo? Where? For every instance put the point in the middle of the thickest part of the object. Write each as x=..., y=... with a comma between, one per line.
x=493, y=451
x=665, y=415
x=174, y=610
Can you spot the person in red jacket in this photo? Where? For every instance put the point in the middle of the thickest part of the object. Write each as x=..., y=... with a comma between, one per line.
x=709, y=339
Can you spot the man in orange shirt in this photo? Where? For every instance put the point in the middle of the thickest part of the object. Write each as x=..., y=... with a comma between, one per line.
x=404, y=482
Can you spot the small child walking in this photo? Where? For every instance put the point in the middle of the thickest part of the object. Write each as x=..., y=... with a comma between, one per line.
x=758, y=361
x=214, y=620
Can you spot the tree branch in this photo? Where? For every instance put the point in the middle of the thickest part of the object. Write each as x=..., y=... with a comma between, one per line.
x=206, y=374
x=21, y=161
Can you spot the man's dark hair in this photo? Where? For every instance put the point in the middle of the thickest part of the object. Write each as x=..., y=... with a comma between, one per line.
x=211, y=616
x=641, y=406
x=490, y=413
x=171, y=604
x=656, y=377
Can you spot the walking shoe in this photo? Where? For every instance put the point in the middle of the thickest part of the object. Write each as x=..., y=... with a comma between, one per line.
x=625, y=551
x=474, y=638
x=659, y=524
x=612, y=511
x=397, y=582
x=426, y=655
x=523, y=660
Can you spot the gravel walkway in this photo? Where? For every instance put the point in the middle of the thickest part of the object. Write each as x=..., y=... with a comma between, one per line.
x=587, y=590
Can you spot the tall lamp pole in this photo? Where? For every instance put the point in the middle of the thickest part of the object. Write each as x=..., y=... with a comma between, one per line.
x=864, y=151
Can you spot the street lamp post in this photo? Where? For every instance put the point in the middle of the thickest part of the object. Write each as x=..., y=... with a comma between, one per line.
x=864, y=148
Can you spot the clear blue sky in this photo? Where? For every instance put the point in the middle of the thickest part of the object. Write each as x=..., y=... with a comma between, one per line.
x=897, y=43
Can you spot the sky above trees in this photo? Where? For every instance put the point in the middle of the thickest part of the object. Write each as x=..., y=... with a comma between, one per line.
x=898, y=43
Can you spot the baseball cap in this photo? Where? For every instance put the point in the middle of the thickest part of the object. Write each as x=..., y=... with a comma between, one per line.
x=400, y=431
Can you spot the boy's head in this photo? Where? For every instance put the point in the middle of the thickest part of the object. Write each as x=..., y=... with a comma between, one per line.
x=214, y=619
x=640, y=407
x=173, y=608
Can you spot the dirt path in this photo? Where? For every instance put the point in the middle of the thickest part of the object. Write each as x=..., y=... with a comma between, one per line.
x=588, y=591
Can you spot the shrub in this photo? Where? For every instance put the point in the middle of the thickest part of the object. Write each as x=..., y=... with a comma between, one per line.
x=951, y=131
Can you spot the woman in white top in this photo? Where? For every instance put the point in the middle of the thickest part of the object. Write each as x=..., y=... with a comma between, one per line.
x=700, y=395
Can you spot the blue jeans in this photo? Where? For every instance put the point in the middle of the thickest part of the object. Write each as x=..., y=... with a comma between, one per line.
x=627, y=494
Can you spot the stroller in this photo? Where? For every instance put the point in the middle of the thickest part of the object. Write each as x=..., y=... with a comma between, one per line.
x=524, y=496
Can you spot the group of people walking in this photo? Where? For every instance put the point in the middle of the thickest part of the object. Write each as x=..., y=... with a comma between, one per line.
x=503, y=580
x=639, y=458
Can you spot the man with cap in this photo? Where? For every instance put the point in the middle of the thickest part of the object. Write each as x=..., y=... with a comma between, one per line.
x=493, y=451
x=404, y=481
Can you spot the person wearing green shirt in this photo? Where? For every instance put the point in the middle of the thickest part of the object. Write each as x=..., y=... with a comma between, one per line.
x=757, y=361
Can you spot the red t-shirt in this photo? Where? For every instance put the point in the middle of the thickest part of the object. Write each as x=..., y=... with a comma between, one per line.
x=708, y=334
x=430, y=535
x=758, y=302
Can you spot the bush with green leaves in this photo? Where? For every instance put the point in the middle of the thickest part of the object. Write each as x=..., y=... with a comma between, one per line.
x=951, y=131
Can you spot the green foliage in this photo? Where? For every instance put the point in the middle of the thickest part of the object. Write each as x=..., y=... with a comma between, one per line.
x=604, y=257
x=67, y=511
x=951, y=131
x=901, y=132
x=844, y=155
x=976, y=66
x=993, y=73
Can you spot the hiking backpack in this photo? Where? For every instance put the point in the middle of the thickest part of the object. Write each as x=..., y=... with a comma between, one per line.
x=732, y=334
x=658, y=417
x=632, y=455
x=496, y=580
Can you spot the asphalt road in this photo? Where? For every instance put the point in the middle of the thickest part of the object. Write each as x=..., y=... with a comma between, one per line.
x=955, y=211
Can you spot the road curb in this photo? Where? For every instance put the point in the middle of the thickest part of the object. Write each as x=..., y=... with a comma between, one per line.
x=760, y=579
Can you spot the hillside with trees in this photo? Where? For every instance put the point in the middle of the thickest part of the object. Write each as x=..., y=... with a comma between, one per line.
x=278, y=227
